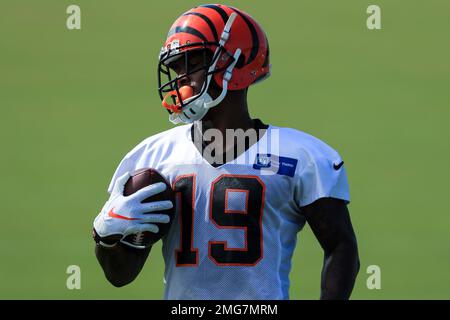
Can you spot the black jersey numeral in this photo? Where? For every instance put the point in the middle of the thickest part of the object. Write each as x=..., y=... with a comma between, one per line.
x=184, y=187
x=249, y=220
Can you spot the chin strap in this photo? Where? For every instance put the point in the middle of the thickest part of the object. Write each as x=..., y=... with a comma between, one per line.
x=223, y=38
x=226, y=30
x=226, y=79
x=228, y=73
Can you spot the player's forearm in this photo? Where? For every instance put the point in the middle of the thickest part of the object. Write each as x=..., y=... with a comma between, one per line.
x=339, y=271
x=121, y=264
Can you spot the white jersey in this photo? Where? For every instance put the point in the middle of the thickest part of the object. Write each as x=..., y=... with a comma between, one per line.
x=236, y=225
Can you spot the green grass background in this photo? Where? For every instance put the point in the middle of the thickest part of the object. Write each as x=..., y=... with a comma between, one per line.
x=74, y=102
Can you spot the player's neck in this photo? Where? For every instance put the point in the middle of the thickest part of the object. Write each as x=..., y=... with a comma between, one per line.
x=232, y=113
x=237, y=121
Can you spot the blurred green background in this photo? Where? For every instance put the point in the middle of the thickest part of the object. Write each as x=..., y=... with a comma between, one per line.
x=73, y=102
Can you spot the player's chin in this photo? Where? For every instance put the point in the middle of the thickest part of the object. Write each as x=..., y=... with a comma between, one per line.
x=207, y=120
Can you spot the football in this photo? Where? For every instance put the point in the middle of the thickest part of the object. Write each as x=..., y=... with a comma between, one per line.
x=138, y=180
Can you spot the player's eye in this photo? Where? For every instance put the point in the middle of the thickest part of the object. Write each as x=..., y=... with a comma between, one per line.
x=195, y=62
x=176, y=70
x=177, y=67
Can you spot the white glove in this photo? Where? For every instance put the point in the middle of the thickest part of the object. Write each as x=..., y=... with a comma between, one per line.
x=124, y=215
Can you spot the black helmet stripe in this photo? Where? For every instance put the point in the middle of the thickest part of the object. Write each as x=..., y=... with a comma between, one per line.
x=255, y=39
x=266, y=60
x=187, y=29
x=219, y=10
x=207, y=20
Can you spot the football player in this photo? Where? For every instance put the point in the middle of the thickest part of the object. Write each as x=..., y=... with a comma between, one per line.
x=238, y=209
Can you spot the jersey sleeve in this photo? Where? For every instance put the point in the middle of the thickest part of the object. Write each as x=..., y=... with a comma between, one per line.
x=124, y=166
x=128, y=164
x=322, y=175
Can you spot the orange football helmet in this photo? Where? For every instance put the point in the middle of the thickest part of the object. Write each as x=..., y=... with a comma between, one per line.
x=240, y=58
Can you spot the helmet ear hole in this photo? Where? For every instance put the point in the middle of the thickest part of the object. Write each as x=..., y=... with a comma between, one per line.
x=215, y=88
x=240, y=62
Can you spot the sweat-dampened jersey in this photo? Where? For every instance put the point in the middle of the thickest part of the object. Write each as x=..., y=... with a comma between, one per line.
x=236, y=225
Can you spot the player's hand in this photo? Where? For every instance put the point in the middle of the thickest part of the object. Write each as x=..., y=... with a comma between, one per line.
x=124, y=215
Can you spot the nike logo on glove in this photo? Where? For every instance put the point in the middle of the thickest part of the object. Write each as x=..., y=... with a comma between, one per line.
x=338, y=166
x=118, y=216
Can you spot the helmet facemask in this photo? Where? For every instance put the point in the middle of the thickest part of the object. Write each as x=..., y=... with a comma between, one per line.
x=173, y=92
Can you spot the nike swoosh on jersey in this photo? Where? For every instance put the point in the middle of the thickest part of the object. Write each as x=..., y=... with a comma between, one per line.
x=118, y=216
x=338, y=166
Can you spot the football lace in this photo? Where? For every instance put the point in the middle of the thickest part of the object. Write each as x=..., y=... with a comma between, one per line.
x=138, y=238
